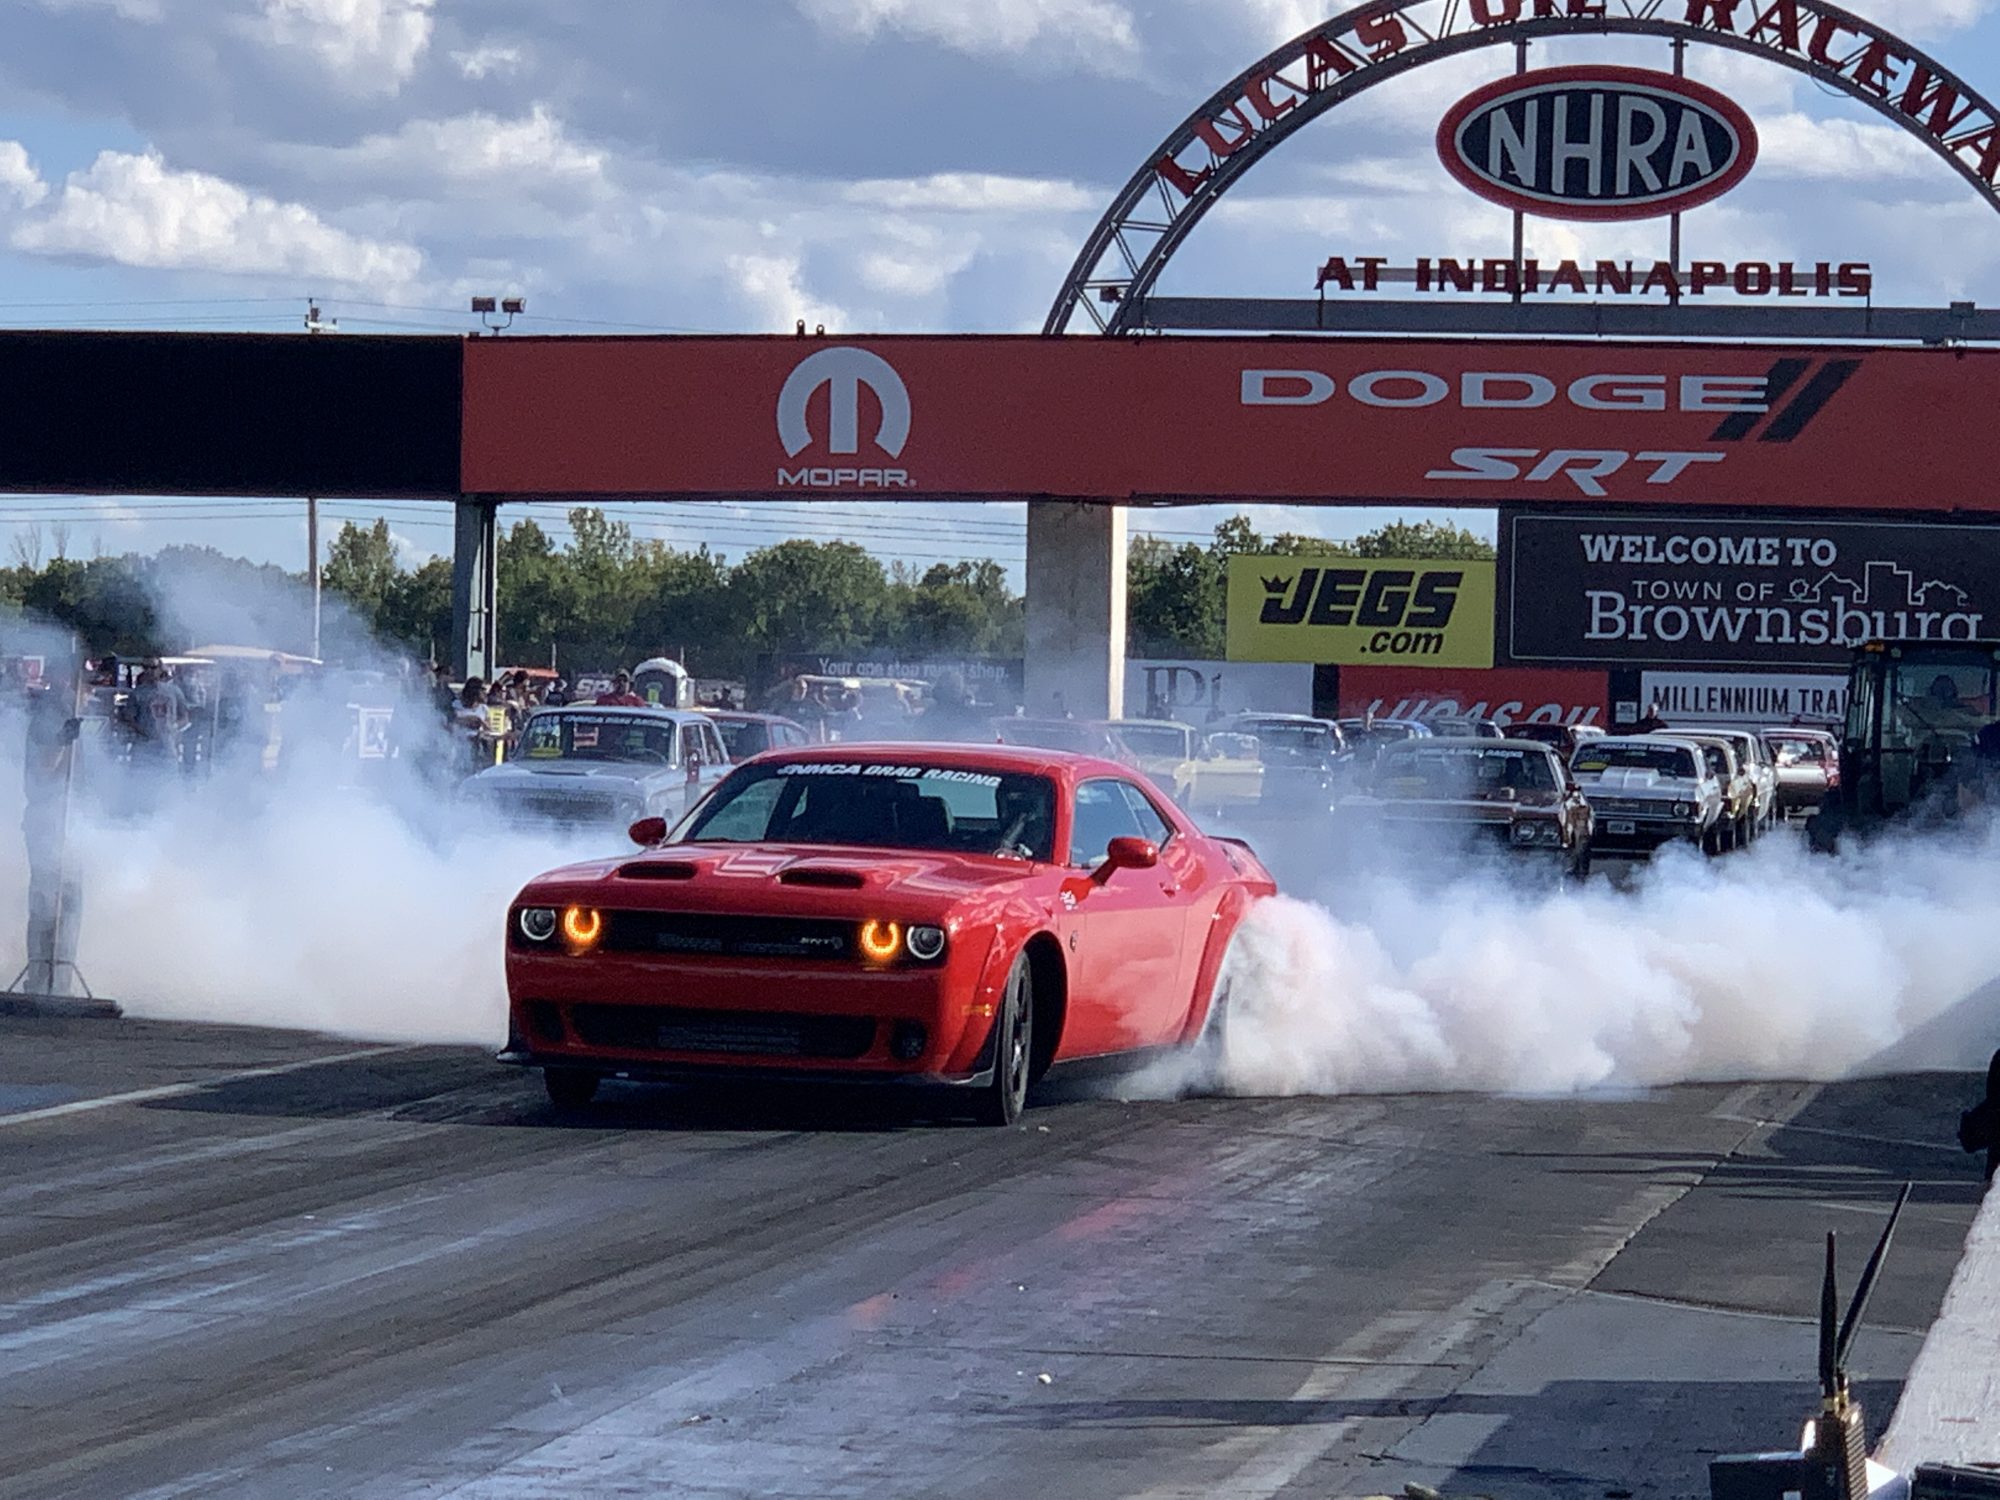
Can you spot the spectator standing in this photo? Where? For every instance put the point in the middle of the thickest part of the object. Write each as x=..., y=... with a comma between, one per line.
x=160, y=714
x=473, y=726
x=621, y=694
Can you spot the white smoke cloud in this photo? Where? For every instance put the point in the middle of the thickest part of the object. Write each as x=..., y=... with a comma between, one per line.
x=1772, y=964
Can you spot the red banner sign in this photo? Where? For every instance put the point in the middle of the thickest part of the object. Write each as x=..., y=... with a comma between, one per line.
x=1504, y=695
x=1471, y=422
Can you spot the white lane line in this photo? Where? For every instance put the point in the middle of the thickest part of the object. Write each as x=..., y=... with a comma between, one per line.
x=176, y=1090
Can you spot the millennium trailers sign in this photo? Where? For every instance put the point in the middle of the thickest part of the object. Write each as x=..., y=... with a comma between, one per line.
x=1209, y=151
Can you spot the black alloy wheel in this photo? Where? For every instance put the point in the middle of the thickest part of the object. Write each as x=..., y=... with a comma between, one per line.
x=569, y=1088
x=1001, y=1100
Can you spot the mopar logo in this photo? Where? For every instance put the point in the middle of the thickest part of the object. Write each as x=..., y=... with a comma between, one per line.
x=844, y=371
x=1410, y=609
x=1597, y=142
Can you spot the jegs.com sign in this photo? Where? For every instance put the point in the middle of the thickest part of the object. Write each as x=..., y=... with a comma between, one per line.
x=1360, y=611
x=1712, y=592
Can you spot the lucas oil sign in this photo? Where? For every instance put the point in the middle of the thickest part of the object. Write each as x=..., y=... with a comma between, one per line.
x=1355, y=611
x=1688, y=590
x=1597, y=142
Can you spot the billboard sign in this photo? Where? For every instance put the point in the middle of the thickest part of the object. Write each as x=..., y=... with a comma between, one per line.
x=1597, y=142
x=1360, y=610
x=1520, y=695
x=1200, y=692
x=1377, y=421
x=1635, y=590
x=1746, y=697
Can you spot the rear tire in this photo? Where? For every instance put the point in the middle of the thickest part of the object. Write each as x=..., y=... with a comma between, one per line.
x=1003, y=1097
x=569, y=1088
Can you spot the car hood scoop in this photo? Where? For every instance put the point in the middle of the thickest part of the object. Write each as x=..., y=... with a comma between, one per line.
x=823, y=877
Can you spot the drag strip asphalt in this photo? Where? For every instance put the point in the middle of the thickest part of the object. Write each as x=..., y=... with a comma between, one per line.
x=240, y=1263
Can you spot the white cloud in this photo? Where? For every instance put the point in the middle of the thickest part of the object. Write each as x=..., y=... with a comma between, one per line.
x=131, y=209
x=1835, y=150
x=150, y=12
x=489, y=60
x=1099, y=35
x=374, y=45
x=973, y=192
x=18, y=177
x=774, y=285
x=534, y=149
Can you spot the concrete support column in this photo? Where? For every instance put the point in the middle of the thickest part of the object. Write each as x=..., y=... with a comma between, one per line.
x=475, y=569
x=1076, y=610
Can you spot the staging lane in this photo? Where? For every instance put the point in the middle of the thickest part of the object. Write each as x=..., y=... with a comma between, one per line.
x=403, y=1275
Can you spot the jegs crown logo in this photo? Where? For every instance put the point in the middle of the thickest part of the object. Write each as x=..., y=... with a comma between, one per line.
x=842, y=372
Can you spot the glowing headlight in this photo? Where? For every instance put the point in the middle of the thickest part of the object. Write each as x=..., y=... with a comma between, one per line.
x=881, y=941
x=537, y=923
x=926, y=943
x=582, y=926
x=1524, y=833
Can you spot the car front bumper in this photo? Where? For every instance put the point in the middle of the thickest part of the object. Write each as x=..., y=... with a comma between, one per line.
x=628, y=1015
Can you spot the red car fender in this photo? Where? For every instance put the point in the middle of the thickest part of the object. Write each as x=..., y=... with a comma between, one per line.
x=1015, y=928
x=1228, y=916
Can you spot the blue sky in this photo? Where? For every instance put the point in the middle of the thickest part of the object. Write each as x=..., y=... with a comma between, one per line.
x=733, y=165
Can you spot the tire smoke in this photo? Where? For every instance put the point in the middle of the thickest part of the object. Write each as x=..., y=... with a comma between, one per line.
x=1771, y=964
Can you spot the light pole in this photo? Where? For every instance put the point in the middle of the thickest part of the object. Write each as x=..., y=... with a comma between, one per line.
x=315, y=324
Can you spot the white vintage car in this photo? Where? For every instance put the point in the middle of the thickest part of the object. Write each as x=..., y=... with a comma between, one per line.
x=1649, y=790
x=600, y=766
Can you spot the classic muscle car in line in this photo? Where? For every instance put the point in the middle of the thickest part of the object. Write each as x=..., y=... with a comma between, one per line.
x=1511, y=795
x=963, y=916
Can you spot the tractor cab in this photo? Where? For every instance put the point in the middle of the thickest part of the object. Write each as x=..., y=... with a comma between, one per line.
x=1915, y=710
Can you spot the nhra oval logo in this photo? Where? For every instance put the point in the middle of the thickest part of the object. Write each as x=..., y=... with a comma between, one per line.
x=1597, y=142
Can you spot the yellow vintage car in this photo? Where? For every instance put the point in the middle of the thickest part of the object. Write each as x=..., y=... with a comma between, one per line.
x=1211, y=773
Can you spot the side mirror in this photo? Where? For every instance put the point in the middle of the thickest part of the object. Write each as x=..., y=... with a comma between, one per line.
x=648, y=831
x=1126, y=854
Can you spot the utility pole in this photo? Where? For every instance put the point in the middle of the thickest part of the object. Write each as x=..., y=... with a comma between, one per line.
x=314, y=324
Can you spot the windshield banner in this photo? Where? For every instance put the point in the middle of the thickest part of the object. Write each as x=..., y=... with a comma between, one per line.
x=1373, y=611
x=1640, y=590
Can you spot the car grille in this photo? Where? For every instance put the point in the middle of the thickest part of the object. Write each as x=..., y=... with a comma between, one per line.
x=705, y=935
x=557, y=807
x=674, y=1028
x=1631, y=807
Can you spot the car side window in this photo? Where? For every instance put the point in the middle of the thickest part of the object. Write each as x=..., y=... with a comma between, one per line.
x=1102, y=814
x=1151, y=825
x=716, y=753
x=691, y=745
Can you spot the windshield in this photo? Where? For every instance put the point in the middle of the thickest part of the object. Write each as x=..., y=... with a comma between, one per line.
x=1792, y=750
x=1051, y=736
x=1665, y=760
x=881, y=805
x=743, y=738
x=1289, y=739
x=1937, y=706
x=1420, y=770
x=1155, y=740
x=597, y=737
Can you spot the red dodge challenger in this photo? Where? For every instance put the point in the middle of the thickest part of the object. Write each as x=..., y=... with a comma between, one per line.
x=957, y=915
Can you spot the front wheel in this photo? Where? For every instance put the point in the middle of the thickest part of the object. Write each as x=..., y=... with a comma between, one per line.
x=1005, y=1095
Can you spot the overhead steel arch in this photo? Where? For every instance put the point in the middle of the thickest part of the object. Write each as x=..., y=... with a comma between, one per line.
x=1372, y=43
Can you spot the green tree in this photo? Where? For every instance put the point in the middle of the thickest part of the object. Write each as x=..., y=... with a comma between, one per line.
x=361, y=565
x=801, y=595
